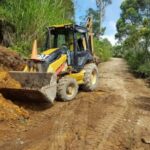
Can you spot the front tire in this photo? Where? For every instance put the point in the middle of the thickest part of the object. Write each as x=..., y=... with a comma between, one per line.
x=67, y=89
x=90, y=77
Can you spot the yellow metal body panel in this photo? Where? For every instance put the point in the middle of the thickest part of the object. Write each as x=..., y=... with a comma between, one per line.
x=26, y=69
x=32, y=69
x=55, y=65
x=47, y=52
x=61, y=25
x=84, y=43
x=78, y=76
x=89, y=26
x=50, y=51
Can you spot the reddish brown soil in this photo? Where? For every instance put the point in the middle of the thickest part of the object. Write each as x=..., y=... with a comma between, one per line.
x=7, y=81
x=10, y=60
x=114, y=117
x=10, y=111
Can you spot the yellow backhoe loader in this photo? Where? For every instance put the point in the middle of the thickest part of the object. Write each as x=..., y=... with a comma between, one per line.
x=66, y=64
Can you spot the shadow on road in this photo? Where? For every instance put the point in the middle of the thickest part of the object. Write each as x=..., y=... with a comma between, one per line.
x=143, y=103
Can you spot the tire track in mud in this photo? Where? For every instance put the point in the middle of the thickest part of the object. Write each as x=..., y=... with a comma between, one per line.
x=119, y=135
x=78, y=128
x=39, y=128
x=103, y=126
x=65, y=131
x=58, y=132
x=142, y=126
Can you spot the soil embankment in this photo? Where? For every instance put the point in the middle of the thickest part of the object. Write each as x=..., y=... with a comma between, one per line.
x=10, y=60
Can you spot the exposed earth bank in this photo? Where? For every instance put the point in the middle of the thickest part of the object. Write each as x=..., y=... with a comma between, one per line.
x=10, y=60
x=114, y=117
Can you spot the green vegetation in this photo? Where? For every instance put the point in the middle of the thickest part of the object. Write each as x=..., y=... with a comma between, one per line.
x=96, y=22
x=98, y=15
x=134, y=33
x=117, y=51
x=22, y=21
x=103, y=49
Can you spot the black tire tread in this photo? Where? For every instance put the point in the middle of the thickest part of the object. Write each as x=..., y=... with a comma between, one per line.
x=88, y=69
x=61, y=85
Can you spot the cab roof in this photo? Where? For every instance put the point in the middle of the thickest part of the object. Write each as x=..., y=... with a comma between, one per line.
x=75, y=27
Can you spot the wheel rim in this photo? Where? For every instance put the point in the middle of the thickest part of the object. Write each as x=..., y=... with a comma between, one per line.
x=70, y=90
x=93, y=77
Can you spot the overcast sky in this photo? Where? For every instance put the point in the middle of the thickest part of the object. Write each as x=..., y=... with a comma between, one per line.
x=111, y=16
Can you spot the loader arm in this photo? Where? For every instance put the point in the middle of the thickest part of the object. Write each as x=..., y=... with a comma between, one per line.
x=89, y=26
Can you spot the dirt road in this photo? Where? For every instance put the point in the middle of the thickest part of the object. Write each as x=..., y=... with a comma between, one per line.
x=115, y=117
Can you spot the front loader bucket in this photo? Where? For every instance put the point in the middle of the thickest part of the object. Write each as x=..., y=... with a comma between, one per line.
x=41, y=87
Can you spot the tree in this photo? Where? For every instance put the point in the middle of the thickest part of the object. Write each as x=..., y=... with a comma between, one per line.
x=101, y=4
x=133, y=14
x=98, y=16
x=133, y=31
x=95, y=16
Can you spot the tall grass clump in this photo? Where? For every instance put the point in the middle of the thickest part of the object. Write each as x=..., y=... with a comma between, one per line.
x=30, y=18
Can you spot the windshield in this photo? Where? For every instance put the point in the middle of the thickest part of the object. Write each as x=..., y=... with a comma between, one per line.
x=58, y=38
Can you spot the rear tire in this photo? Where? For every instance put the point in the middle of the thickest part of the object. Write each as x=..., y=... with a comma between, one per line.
x=90, y=77
x=67, y=89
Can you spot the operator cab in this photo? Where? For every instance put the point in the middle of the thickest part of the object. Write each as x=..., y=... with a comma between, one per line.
x=72, y=40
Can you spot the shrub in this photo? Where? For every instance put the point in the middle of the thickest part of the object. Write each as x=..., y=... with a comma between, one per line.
x=103, y=49
x=144, y=69
x=118, y=51
x=138, y=63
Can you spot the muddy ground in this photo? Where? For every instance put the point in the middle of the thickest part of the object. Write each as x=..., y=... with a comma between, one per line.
x=114, y=117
